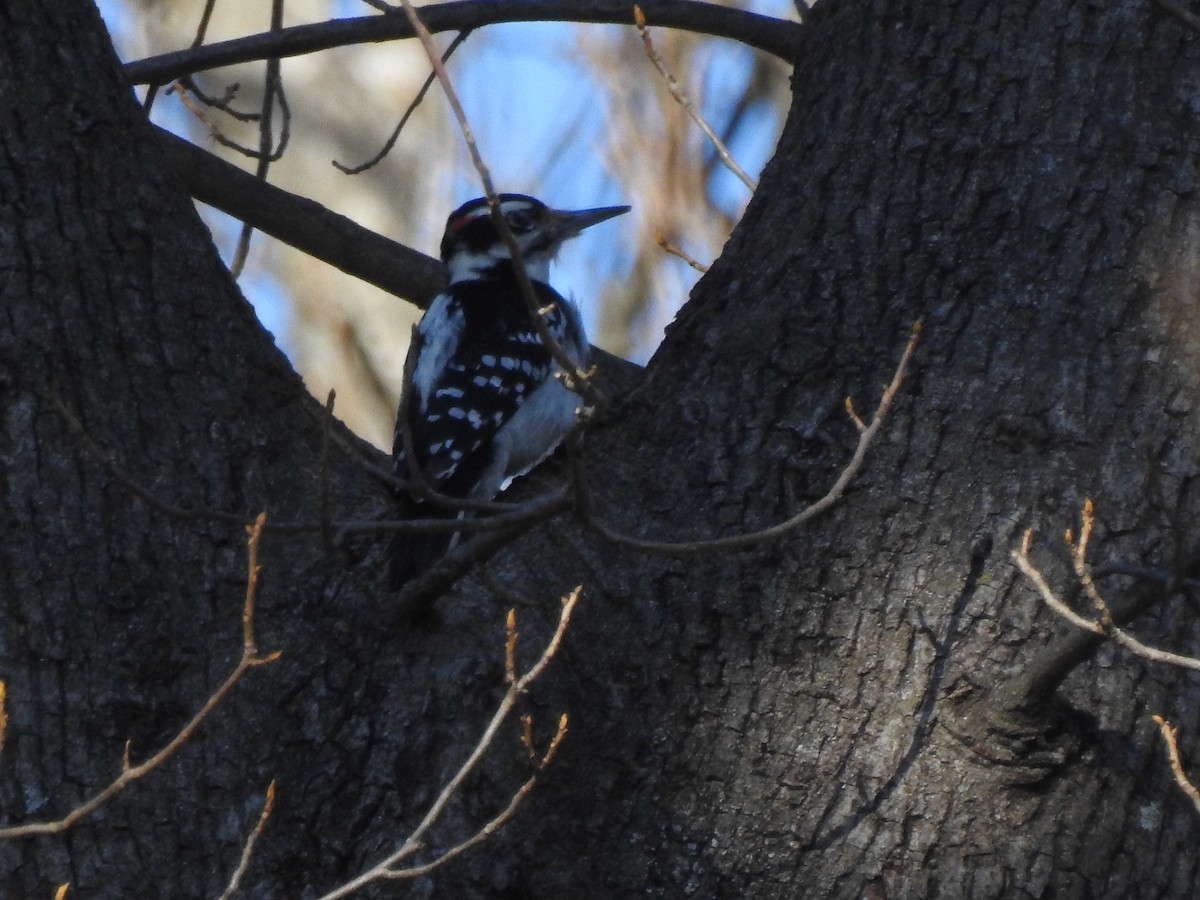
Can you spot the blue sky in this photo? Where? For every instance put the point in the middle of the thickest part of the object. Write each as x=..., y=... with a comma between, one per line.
x=519, y=121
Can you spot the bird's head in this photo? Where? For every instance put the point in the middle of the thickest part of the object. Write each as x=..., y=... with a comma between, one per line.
x=473, y=247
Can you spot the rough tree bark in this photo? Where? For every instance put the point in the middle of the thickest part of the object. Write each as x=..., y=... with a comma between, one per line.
x=830, y=715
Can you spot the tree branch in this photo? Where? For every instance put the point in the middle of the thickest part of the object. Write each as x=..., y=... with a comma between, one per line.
x=775, y=36
x=272, y=92
x=1105, y=625
x=686, y=103
x=129, y=773
x=1169, y=734
x=343, y=243
x=248, y=848
x=387, y=869
x=1039, y=679
x=304, y=224
x=867, y=434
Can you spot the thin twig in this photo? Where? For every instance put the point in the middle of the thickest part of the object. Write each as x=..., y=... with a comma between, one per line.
x=771, y=35
x=304, y=224
x=689, y=107
x=129, y=774
x=515, y=513
x=391, y=141
x=677, y=251
x=492, y=825
x=202, y=27
x=223, y=103
x=131, y=485
x=272, y=89
x=576, y=379
x=186, y=86
x=451, y=566
x=386, y=869
x=201, y=31
x=1100, y=627
x=867, y=434
x=1169, y=734
x=854, y=416
x=248, y=848
x=326, y=488
x=439, y=72
x=539, y=507
x=510, y=647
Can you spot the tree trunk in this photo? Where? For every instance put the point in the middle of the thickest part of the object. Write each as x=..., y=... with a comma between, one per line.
x=839, y=713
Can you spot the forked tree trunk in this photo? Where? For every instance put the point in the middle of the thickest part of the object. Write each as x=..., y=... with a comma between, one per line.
x=835, y=714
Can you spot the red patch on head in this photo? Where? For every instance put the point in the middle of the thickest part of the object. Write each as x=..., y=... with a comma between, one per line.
x=456, y=224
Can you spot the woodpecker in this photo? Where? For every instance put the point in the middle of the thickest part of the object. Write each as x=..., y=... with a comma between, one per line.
x=485, y=403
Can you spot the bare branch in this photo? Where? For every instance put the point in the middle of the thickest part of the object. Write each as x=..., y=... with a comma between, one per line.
x=130, y=774
x=775, y=36
x=386, y=869
x=854, y=417
x=395, y=135
x=186, y=86
x=305, y=224
x=513, y=515
x=508, y=515
x=133, y=486
x=272, y=91
x=1169, y=738
x=867, y=434
x=205, y=18
x=310, y=227
x=326, y=494
x=689, y=107
x=510, y=647
x=677, y=251
x=1104, y=626
x=248, y=849
x=450, y=567
x=493, y=824
x=382, y=6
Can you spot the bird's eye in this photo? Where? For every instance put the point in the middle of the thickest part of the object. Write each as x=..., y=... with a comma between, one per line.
x=520, y=220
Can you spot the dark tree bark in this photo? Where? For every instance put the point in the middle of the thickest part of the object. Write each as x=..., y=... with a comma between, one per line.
x=841, y=713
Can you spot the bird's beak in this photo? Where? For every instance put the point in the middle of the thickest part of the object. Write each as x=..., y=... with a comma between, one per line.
x=569, y=223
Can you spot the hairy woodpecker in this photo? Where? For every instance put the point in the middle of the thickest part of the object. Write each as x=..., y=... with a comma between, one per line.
x=485, y=404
